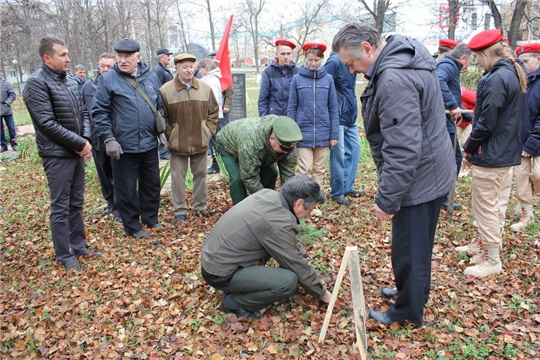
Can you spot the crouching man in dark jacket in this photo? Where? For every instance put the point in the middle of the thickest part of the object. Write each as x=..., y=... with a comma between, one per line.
x=62, y=128
x=262, y=226
x=403, y=112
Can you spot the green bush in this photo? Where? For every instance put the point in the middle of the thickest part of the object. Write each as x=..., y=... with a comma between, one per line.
x=470, y=77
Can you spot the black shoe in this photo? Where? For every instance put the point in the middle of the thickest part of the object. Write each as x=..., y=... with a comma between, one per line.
x=107, y=211
x=212, y=170
x=86, y=252
x=117, y=218
x=204, y=213
x=180, y=217
x=382, y=317
x=141, y=234
x=355, y=193
x=14, y=147
x=72, y=264
x=388, y=293
x=155, y=226
x=457, y=206
x=3, y=150
x=164, y=157
x=230, y=306
x=341, y=200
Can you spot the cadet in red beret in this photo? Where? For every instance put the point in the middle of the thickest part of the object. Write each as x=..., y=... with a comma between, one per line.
x=445, y=46
x=493, y=147
x=276, y=80
x=527, y=183
x=308, y=46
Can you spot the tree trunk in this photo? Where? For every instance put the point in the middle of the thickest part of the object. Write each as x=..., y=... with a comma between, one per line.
x=212, y=31
x=453, y=11
x=495, y=13
x=515, y=23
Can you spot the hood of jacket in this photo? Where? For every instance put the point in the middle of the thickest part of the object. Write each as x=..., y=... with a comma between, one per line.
x=215, y=72
x=401, y=52
x=313, y=74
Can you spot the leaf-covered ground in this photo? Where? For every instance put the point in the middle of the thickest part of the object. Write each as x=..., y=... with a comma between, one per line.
x=145, y=299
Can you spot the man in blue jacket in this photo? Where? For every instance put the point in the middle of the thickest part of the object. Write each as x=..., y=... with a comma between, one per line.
x=404, y=119
x=448, y=70
x=125, y=122
x=101, y=160
x=276, y=81
x=345, y=155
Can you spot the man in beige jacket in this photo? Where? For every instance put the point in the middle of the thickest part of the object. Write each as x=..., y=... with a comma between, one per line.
x=192, y=111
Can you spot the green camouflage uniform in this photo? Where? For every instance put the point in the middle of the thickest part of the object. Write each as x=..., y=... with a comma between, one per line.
x=247, y=140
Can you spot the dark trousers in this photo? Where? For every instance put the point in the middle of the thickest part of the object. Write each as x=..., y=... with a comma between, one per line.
x=140, y=169
x=8, y=119
x=212, y=143
x=65, y=177
x=459, y=158
x=256, y=287
x=413, y=232
x=105, y=173
x=237, y=190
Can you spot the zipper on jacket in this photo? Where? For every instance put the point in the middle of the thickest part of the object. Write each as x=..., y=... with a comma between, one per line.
x=314, y=106
x=75, y=108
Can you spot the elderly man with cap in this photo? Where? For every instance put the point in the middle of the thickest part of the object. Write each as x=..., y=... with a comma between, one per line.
x=164, y=75
x=251, y=147
x=445, y=47
x=276, y=80
x=124, y=120
x=529, y=54
x=263, y=226
x=192, y=111
x=404, y=120
x=161, y=69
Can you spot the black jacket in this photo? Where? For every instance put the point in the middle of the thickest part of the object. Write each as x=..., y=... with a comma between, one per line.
x=163, y=74
x=494, y=141
x=88, y=92
x=403, y=112
x=60, y=118
x=530, y=126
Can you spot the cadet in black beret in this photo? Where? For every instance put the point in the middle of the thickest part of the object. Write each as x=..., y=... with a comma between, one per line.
x=128, y=46
x=163, y=51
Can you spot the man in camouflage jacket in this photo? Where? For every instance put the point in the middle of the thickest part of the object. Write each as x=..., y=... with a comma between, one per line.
x=251, y=147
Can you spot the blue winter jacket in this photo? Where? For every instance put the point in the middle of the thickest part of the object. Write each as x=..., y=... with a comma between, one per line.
x=345, y=84
x=313, y=105
x=120, y=112
x=448, y=70
x=274, y=92
x=530, y=126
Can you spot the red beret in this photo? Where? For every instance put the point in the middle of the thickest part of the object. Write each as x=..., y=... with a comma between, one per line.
x=308, y=46
x=528, y=48
x=449, y=43
x=485, y=39
x=286, y=43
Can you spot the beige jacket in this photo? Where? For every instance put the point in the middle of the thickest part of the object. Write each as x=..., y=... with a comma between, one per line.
x=191, y=116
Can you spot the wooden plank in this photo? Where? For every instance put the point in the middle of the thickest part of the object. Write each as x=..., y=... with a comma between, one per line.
x=359, y=306
x=337, y=285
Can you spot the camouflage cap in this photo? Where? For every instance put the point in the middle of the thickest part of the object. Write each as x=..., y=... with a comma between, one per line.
x=287, y=132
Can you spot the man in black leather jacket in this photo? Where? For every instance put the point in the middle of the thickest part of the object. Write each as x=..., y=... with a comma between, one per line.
x=62, y=130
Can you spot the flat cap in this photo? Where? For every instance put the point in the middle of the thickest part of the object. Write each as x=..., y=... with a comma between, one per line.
x=163, y=51
x=213, y=53
x=528, y=48
x=287, y=132
x=286, y=43
x=184, y=57
x=449, y=43
x=308, y=46
x=485, y=39
x=127, y=46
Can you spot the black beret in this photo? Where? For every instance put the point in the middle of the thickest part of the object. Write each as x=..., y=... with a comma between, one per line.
x=127, y=46
x=213, y=53
x=162, y=51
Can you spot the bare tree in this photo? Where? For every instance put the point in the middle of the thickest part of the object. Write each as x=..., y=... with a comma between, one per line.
x=494, y=13
x=518, y=13
x=252, y=10
x=206, y=6
x=453, y=11
x=309, y=20
x=377, y=12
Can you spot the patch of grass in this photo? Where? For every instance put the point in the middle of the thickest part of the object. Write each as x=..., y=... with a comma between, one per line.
x=21, y=116
x=308, y=233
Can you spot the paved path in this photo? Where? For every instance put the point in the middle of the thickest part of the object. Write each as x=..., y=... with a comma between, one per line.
x=29, y=130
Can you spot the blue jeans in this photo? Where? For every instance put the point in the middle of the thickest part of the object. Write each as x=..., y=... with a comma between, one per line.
x=11, y=129
x=344, y=159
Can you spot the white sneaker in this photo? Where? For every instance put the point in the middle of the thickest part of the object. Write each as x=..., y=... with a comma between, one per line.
x=492, y=265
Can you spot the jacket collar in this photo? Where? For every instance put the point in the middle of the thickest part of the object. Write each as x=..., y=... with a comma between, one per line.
x=61, y=75
x=181, y=86
x=286, y=206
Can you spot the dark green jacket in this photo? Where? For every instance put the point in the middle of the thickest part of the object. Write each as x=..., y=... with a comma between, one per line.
x=248, y=141
x=258, y=228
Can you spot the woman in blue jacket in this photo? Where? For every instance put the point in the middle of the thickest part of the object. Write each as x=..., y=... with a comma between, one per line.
x=313, y=105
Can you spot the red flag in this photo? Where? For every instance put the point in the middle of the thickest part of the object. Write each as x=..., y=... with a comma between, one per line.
x=224, y=58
